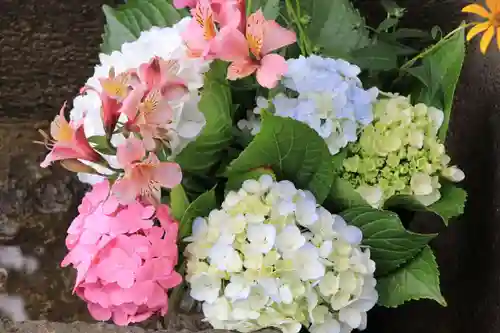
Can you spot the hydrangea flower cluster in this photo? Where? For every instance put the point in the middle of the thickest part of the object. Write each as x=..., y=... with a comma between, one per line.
x=400, y=153
x=331, y=100
x=124, y=255
x=271, y=257
x=150, y=85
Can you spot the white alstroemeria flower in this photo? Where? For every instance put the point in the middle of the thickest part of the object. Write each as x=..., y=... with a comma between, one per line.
x=290, y=239
x=261, y=237
x=205, y=287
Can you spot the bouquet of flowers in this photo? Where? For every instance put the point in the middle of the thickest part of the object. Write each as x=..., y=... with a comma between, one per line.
x=266, y=157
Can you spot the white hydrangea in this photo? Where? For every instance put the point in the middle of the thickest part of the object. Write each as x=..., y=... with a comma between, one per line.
x=331, y=100
x=271, y=257
x=167, y=44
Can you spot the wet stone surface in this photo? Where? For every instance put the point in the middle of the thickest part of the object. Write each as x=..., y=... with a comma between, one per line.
x=36, y=207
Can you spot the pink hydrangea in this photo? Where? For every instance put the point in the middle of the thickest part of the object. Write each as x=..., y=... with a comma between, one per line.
x=124, y=255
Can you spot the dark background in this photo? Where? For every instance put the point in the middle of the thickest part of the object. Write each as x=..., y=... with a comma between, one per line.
x=49, y=47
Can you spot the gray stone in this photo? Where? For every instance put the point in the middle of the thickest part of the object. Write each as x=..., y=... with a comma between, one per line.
x=81, y=327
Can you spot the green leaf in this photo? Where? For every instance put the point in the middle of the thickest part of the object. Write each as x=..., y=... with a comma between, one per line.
x=451, y=204
x=125, y=23
x=179, y=202
x=293, y=150
x=101, y=144
x=335, y=26
x=439, y=73
x=388, y=23
x=234, y=183
x=270, y=8
x=202, y=206
x=380, y=56
x=201, y=155
x=416, y=280
x=391, y=245
x=343, y=196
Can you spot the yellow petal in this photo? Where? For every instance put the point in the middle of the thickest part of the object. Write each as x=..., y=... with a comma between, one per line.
x=493, y=5
x=486, y=40
x=476, y=9
x=478, y=28
x=498, y=38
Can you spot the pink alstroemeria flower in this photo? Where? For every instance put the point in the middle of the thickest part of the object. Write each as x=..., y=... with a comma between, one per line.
x=69, y=142
x=150, y=112
x=117, y=96
x=144, y=175
x=201, y=31
x=184, y=3
x=226, y=12
x=230, y=13
x=261, y=37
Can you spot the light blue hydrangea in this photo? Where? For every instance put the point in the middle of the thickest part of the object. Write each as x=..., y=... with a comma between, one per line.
x=330, y=99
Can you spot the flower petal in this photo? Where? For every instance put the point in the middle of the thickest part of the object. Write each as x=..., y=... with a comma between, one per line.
x=275, y=37
x=98, y=312
x=125, y=190
x=168, y=174
x=273, y=67
x=476, y=9
x=486, y=40
x=241, y=69
x=478, y=28
x=493, y=5
x=231, y=45
x=184, y=3
x=498, y=38
x=131, y=151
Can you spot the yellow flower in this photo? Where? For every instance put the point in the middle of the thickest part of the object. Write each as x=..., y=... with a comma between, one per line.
x=489, y=26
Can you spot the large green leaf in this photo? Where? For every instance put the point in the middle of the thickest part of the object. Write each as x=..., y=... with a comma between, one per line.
x=293, y=150
x=201, y=155
x=416, y=280
x=335, y=26
x=202, y=206
x=438, y=75
x=451, y=204
x=343, y=196
x=125, y=23
x=179, y=202
x=391, y=245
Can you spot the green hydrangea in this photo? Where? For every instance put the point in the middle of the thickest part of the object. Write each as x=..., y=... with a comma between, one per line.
x=400, y=153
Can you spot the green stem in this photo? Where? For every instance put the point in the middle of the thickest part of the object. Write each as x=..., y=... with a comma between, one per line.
x=419, y=56
x=249, y=7
x=304, y=46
